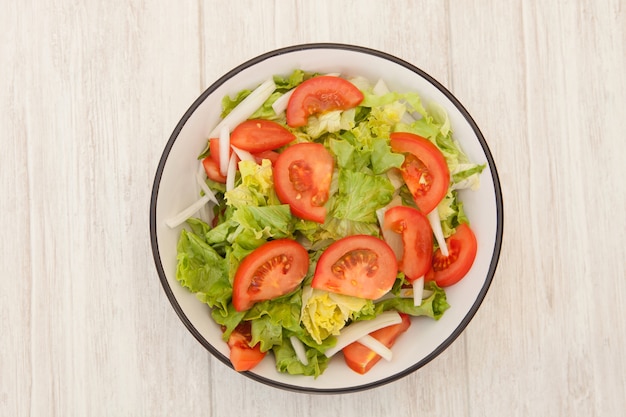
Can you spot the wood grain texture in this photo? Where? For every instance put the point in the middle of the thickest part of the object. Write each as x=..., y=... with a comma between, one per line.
x=92, y=92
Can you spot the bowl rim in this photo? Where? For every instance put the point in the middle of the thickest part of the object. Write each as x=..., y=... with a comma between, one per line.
x=354, y=48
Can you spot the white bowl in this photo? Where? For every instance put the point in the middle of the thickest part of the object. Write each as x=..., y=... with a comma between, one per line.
x=175, y=187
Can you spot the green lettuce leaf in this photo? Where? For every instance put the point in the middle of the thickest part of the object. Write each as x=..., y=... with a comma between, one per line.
x=228, y=319
x=360, y=194
x=262, y=223
x=270, y=318
x=324, y=313
x=203, y=271
x=288, y=362
x=284, y=84
x=330, y=122
x=255, y=187
x=350, y=152
x=434, y=306
x=451, y=213
x=383, y=159
x=229, y=103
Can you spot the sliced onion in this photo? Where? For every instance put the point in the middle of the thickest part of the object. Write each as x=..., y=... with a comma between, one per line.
x=357, y=330
x=205, y=213
x=375, y=345
x=205, y=188
x=231, y=172
x=298, y=347
x=380, y=89
x=280, y=105
x=393, y=239
x=178, y=219
x=395, y=176
x=243, y=155
x=435, y=224
x=247, y=107
x=224, y=148
x=418, y=291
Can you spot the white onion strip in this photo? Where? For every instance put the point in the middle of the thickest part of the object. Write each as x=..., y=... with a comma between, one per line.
x=243, y=155
x=247, y=107
x=375, y=345
x=205, y=188
x=231, y=172
x=380, y=88
x=224, y=148
x=188, y=212
x=357, y=330
x=418, y=291
x=298, y=347
x=393, y=239
x=280, y=105
x=435, y=224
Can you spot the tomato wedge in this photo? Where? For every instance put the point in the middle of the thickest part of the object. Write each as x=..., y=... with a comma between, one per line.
x=462, y=247
x=358, y=265
x=272, y=156
x=319, y=95
x=258, y=135
x=302, y=175
x=361, y=359
x=242, y=356
x=424, y=170
x=417, y=239
x=214, y=149
x=212, y=169
x=273, y=269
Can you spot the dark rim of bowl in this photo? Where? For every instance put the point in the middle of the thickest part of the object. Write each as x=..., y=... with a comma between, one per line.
x=494, y=259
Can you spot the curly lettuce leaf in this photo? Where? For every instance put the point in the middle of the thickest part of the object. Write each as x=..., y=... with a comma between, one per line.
x=451, y=213
x=202, y=271
x=271, y=318
x=228, y=319
x=262, y=223
x=325, y=313
x=360, y=194
x=383, y=159
x=288, y=362
x=434, y=306
x=256, y=186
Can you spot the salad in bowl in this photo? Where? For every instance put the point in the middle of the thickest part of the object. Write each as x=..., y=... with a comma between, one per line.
x=325, y=226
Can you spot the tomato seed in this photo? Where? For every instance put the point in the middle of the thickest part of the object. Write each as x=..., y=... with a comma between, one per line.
x=301, y=176
x=356, y=262
x=283, y=262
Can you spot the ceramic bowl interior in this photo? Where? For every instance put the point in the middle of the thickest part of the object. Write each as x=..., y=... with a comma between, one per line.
x=175, y=188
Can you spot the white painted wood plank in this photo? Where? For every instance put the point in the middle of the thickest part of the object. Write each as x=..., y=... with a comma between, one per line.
x=553, y=113
x=15, y=256
x=96, y=92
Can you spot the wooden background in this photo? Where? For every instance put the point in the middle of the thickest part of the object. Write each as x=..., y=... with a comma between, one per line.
x=91, y=91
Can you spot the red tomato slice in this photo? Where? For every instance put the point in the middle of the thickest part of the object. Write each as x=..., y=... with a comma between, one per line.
x=260, y=135
x=318, y=95
x=214, y=149
x=212, y=169
x=272, y=156
x=358, y=265
x=273, y=269
x=361, y=359
x=242, y=355
x=462, y=247
x=302, y=175
x=417, y=238
x=424, y=170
